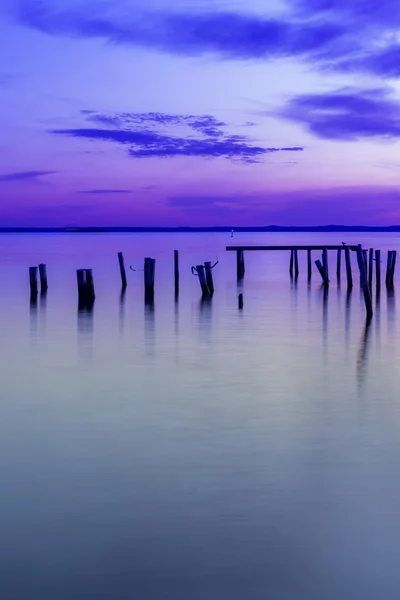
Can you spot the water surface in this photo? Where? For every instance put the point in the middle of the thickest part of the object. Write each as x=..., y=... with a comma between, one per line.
x=186, y=449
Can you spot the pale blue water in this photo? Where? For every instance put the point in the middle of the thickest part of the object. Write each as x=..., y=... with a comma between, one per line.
x=190, y=450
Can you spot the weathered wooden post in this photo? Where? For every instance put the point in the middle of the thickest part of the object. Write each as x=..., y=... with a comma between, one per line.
x=389, y=266
x=338, y=262
x=122, y=269
x=209, y=277
x=378, y=268
x=202, y=279
x=90, y=295
x=149, y=277
x=240, y=301
x=348, y=268
x=240, y=264
x=370, y=267
x=176, y=271
x=322, y=271
x=81, y=281
x=309, y=264
x=43, y=278
x=291, y=263
x=364, y=281
x=33, y=280
x=393, y=266
x=325, y=262
x=296, y=264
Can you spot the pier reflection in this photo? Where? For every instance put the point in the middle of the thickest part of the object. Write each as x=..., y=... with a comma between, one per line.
x=362, y=356
x=149, y=327
x=85, y=332
x=122, y=302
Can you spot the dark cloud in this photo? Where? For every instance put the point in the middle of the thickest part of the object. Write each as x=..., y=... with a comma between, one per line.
x=205, y=124
x=385, y=62
x=147, y=136
x=347, y=114
x=104, y=192
x=343, y=35
x=25, y=175
x=225, y=34
x=370, y=13
x=146, y=144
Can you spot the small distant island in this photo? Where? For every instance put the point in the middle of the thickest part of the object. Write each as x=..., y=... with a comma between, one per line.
x=217, y=229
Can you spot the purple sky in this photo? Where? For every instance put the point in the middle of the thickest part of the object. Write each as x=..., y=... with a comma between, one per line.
x=199, y=112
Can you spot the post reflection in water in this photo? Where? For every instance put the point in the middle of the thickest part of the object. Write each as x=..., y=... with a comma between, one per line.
x=347, y=316
x=149, y=327
x=33, y=317
x=324, y=290
x=205, y=319
x=362, y=357
x=122, y=298
x=377, y=316
x=85, y=332
x=391, y=307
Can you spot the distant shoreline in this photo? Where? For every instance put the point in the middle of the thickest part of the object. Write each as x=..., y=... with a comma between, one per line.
x=266, y=229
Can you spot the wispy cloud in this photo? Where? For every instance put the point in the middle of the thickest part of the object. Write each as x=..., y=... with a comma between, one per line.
x=324, y=33
x=205, y=124
x=222, y=33
x=149, y=135
x=25, y=175
x=104, y=192
x=347, y=114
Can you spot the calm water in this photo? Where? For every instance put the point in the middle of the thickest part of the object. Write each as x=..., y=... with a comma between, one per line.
x=188, y=450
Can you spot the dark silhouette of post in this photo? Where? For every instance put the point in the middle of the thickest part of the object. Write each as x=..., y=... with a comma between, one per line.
x=122, y=269
x=240, y=264
x=202, y=280
x=149, y=278
x=43, y=278
x=209, y=277
x=370, y=267
x=176, y=271
x=309, y=264
x=378, y=268
x=322, y=271
x=389, y=266
x=296, y=264
x=325, y=262
x=338, y=262
x=33, y=282
x=364, y=281
x=291, y=263
x=348, y=268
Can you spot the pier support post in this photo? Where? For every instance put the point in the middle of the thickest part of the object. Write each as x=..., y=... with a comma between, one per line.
x=322, y=272
x=122, y=269
x=209, y=277
x=348, y=268
x=364, y=281
x=33, y=280
x=309, y=264
x=296, y=264
x=202, y=280
x=291, y=263
x=378, y=268
x=240, y=301
x=370, y=267
x=389, y=266
x=325, y=262
x=240, y=264
x=338, y=263
x=43, y=278
x=176, y=272
x=149, y=277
